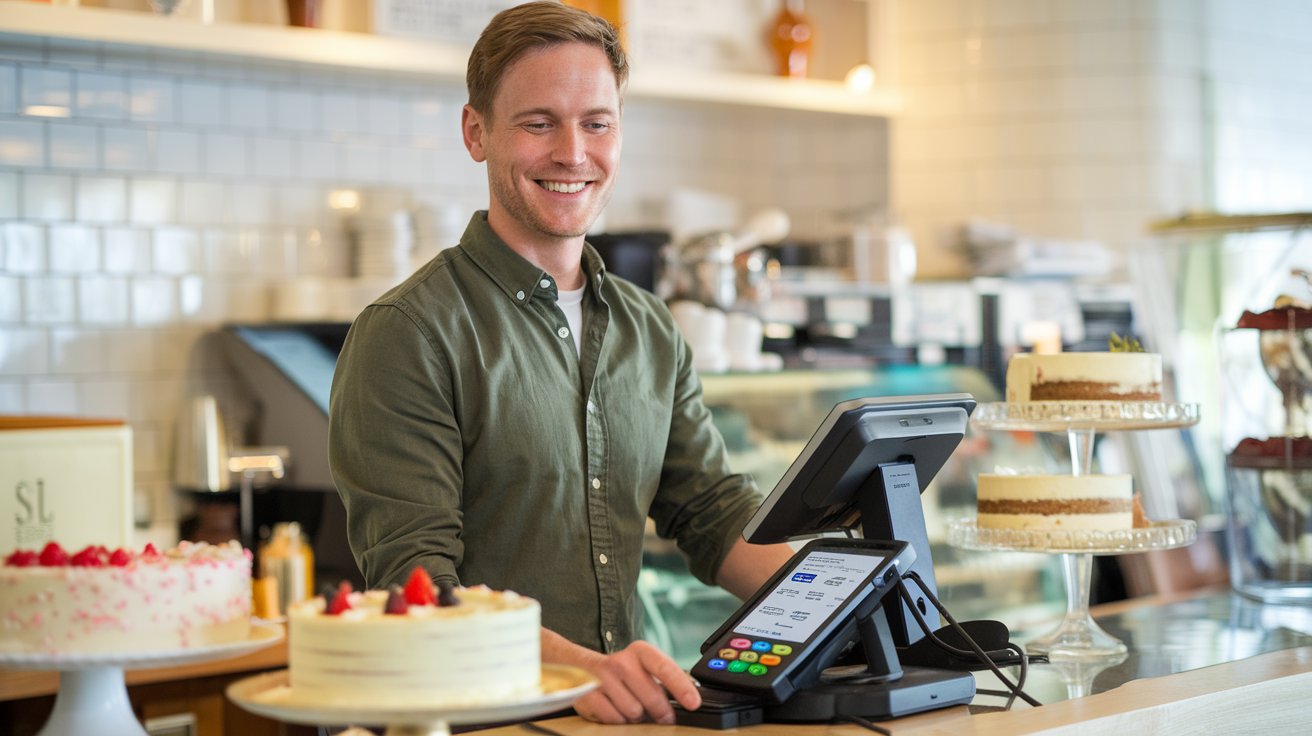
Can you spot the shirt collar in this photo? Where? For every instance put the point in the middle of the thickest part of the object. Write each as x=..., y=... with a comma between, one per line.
x=518, y=279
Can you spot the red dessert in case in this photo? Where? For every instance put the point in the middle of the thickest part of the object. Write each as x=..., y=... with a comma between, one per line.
x=1273, y=453
x=1280, y=318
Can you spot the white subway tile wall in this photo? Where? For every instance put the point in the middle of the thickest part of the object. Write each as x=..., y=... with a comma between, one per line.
x=1077, y=119
x=177, y=189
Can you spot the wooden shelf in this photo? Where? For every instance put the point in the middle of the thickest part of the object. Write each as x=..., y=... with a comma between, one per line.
x=1212, y=222
x=314, y=47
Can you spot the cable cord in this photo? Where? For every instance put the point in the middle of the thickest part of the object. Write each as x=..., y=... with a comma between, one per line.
x=976, y=652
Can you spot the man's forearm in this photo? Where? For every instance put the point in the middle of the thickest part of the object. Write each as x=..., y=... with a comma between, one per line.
x=556, y=649
x=748, y=566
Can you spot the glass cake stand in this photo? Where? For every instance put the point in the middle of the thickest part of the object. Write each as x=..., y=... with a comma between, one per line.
x=93, y=696
x=271, y=695
x=1077, y=637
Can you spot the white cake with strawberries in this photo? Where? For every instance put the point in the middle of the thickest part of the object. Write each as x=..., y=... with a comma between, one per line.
x=414, y=646
x=98, y=601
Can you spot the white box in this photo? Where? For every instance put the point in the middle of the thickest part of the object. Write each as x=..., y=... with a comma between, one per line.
x=65, y=480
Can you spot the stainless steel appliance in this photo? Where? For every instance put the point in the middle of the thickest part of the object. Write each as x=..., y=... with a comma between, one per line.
x=286, y=371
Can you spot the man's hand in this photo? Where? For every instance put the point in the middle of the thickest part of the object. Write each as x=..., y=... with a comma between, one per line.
x=634, y=681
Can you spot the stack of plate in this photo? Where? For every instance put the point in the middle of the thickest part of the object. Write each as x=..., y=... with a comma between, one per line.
x=383, y=244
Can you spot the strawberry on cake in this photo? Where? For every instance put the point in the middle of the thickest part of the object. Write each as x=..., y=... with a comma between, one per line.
x=97, y=601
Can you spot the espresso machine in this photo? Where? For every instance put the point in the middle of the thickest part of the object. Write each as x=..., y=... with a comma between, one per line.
x=1269, y=471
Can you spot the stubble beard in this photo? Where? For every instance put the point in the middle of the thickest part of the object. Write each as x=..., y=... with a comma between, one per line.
x=519, y=210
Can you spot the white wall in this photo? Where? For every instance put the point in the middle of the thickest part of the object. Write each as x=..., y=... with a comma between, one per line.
x=1061, y=118
x=1073, y=119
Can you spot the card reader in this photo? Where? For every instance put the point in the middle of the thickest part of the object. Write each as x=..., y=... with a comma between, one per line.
x=798, y=623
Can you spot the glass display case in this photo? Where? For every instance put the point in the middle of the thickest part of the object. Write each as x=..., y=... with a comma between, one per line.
x=1229, y=301
x=766, y=420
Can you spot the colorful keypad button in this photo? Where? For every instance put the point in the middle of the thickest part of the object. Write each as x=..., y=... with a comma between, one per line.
x=749, y=656
x=761, y=646
x=783, y=650
x=757, y=669
x=728, y=653
x=769, y=660
x=737, y=666
x=717, y=664
x=740, y=643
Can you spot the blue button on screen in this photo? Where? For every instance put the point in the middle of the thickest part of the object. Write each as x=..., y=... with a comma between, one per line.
x=803, y=577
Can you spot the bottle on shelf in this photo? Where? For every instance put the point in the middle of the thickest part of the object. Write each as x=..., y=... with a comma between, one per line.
x=791, y=37
x=287, y=558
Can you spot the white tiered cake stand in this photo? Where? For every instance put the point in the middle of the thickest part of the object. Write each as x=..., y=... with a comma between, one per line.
x=270, y=695
x=1078, y=638
x=93, y=696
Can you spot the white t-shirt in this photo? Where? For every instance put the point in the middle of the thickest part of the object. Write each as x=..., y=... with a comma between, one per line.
x=571, y=303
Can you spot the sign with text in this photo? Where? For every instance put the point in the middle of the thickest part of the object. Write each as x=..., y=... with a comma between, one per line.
x=72, y=485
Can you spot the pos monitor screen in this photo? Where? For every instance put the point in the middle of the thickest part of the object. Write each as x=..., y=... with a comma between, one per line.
x=865, y=467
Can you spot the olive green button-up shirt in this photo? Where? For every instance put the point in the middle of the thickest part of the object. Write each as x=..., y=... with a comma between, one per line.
x=468, y=436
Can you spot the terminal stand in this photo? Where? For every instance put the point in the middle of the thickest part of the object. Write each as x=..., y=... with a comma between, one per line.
x=863, y=468
x=882, y=687
x=890, y=508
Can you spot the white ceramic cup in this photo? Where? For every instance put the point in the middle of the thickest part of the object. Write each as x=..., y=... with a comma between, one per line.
x=688, y=316
x=743, y=337
x=714, y=330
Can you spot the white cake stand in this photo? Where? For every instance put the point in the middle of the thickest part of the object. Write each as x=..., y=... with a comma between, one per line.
x=1078, y=638
x=271, y=695
x=93, y=696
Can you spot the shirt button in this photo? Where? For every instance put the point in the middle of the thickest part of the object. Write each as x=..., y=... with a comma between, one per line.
x=544, y=283
x=563, y=332
x=603, y=558
x=519, y=295
x=596, y=482
x=609, y=636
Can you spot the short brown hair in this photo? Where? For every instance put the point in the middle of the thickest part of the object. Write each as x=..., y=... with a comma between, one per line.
x=529, y=27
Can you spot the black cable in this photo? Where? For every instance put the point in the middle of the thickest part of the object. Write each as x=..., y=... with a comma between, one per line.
x=863, y=723
x=977, y=651
x=1024, y=670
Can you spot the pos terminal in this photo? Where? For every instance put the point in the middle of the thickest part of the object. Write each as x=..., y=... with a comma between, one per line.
x=776, y=658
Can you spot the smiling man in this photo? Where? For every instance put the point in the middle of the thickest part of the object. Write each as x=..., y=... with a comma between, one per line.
x=512, y=414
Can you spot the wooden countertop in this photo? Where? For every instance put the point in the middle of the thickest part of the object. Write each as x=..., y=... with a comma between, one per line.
x=1266, y=692
x=17, y=684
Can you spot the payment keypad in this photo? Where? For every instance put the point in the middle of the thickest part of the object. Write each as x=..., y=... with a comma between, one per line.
x=756, y=657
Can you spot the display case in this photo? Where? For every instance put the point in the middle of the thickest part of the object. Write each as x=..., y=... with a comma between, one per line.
x=766, y=420
x=1230, y=306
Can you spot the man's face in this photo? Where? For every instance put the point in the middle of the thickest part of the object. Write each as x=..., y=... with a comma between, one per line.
x=551, y=142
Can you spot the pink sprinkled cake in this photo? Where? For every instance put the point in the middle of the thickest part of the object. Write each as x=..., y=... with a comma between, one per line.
x=97, y=601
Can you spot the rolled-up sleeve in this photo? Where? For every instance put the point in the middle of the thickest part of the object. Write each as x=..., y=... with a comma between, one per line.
x=701, y=504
